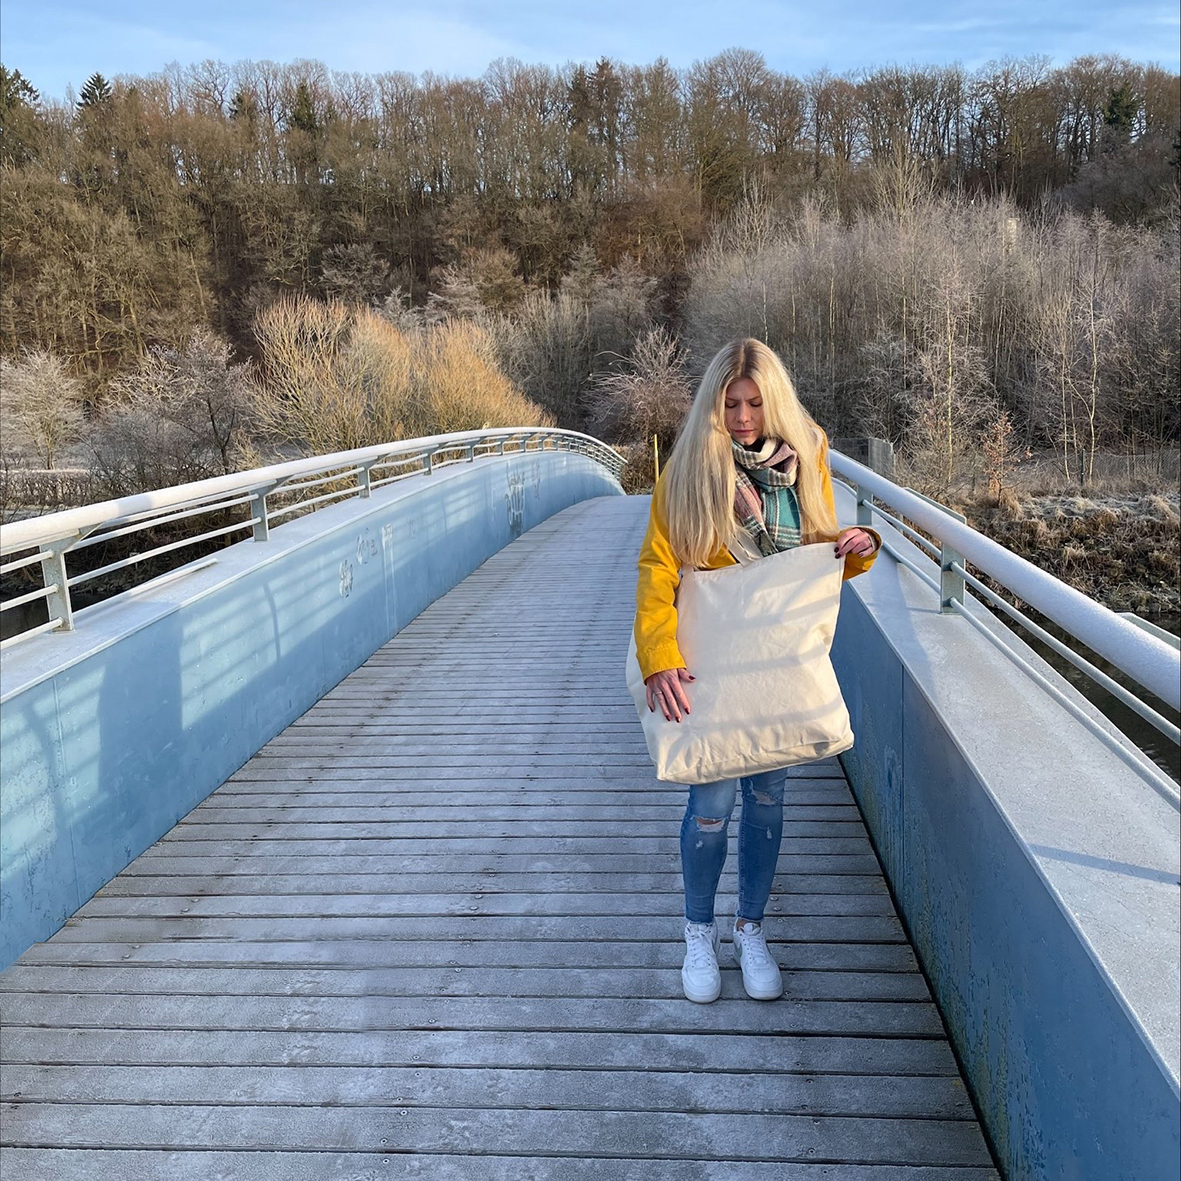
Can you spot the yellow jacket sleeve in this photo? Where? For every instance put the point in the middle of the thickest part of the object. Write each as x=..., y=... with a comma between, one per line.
x=656, y=590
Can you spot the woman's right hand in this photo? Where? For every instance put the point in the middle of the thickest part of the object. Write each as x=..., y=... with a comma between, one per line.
x=665, y=690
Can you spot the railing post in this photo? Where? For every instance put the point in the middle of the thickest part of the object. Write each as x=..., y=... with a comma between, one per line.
x=363, y=485
x=258, y=510
x=427, y=462
x=53, y=572
x=864, y=505
x=499, y=446
x=951, y=582
x=471, y=453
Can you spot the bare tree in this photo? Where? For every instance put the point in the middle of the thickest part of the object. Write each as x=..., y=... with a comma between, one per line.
x=649, y=396
x=40, y=406
x=355, y=273
x=183, y=415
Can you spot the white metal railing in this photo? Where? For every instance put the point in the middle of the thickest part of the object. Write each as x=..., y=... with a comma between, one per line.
x=1146, y=658
x=47, y=540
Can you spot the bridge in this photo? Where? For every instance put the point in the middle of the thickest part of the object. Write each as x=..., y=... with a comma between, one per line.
x=337, y=853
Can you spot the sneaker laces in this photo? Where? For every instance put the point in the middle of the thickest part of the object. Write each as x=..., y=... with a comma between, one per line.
x=699, y=945
x=754, y=946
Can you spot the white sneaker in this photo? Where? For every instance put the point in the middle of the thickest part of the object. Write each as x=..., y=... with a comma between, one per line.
x=760, y=973
x=700, y=976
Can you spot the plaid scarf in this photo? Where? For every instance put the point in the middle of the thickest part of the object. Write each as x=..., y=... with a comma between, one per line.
x=764, y=495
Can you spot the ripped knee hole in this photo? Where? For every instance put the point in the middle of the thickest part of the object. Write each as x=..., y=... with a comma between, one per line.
x=709, y=824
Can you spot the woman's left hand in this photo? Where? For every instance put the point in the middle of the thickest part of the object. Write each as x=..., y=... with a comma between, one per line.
x=855, y=541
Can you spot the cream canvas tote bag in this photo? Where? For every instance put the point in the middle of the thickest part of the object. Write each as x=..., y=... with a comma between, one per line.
x=757, y=638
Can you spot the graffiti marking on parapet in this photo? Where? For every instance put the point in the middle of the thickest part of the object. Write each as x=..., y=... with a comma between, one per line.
x=366, y=546
x=346, y=579
x=515, y=499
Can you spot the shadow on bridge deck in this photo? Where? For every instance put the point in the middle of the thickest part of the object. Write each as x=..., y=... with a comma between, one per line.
x=431, y=930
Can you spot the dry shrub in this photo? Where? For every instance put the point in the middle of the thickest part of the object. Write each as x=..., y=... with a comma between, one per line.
x=483, y=280
x=639, y=470
x=650, y=397
x=333, y=378
x=184, y=414
x=1162, y=509
x=554, y=347
x=1006, y=503
x=1037, y=534
x=354, y=273
x=40, y=407
x=314, y=388
x=460, y=381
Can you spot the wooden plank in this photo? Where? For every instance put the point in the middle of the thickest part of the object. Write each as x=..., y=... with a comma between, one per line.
x=474, y=926
x=498, y=903
x=804, y=956
x=616, y=982
x=837, y=1018
x=611, y=778
x=844, y=853
x=273, y=857
x=457, y=828
x=228, y=876
x=692, y=1137
x=826, y=821
x=199, y=1165
x=476, y=775
x=942, y=1097
x=432, y=1048
x=270, y=795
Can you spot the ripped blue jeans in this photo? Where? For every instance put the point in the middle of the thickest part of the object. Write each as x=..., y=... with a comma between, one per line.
x=705, y=835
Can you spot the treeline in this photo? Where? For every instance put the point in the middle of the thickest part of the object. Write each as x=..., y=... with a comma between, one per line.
x=209, y=264
x=198, y=195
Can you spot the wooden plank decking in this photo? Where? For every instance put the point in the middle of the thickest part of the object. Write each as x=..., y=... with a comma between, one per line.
x=432, y=930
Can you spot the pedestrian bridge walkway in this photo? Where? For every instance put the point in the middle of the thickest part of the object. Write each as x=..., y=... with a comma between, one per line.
x=364, y=872
x=432, y=930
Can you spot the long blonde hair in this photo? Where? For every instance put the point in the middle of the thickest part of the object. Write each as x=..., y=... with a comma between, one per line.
x=699, y=476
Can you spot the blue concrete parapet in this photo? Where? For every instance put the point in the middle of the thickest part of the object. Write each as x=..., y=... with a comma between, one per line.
x=1038, y=875
x=113, y=732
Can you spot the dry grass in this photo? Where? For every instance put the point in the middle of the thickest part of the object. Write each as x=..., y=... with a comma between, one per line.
x=332, y=378
x=1123, y=551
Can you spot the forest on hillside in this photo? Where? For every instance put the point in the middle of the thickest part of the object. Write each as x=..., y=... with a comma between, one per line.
x=218, y=263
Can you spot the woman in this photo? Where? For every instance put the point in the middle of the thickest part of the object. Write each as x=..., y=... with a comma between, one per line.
x=748, y=477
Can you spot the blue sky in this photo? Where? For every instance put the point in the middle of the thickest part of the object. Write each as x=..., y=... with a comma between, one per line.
x=57, y=44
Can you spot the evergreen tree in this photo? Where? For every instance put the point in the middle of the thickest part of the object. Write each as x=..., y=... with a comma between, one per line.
x=244, y=106
x=1119, y=114
x=303, y=111
x=18, y=117
x=15, y=90
x=96, y=92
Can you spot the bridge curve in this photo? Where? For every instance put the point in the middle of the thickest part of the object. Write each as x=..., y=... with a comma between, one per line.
x=431, y=930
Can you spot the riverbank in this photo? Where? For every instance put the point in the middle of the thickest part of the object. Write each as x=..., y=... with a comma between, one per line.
x=1122, y=550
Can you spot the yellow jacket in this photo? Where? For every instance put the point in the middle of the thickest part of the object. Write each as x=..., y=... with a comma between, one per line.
x=660, y=575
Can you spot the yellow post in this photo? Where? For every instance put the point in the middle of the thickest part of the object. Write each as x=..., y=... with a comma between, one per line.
x=656, y=457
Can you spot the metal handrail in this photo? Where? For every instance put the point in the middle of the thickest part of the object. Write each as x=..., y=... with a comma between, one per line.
x=55, y=535
x=1147, y=660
